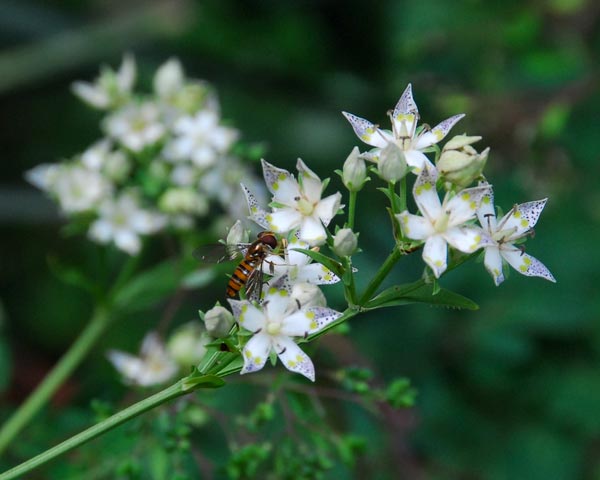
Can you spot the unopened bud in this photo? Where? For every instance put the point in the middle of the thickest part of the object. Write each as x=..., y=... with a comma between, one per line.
x=354, y=173
x=308, y=295
x=237, y=234
x=117, y=166
x=345, y=242
x=392, y=164
x=187, y=344
x=183, y=200
x=460, y=163
x=168, y=79
x=218, y=321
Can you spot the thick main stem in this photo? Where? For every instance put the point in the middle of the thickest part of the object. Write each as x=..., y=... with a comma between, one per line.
x=117, y=419
x=61, y=371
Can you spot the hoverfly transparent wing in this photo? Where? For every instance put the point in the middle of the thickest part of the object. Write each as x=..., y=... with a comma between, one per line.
x=220, y=252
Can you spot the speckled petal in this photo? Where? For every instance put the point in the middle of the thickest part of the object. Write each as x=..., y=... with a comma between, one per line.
x=316, y=274
x=437, y=133
x=405, y=111
x=367, y=132
x=272, y=175
x=465, y=239
x=257, y=213
x=426, y=195
x=321, y=317
x=523, y=217
x=415, y=226
x=434, y=254
x=463, y=206
x=247, y=315
x=256, y=352
x=296, y=325
x=493, y=264
x=486, y=214
x=525, y=264
x=293, y=358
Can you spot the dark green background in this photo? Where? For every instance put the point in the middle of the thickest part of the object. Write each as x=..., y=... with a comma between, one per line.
x=511, y=391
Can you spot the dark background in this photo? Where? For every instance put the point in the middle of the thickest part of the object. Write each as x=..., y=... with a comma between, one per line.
x=509, y=391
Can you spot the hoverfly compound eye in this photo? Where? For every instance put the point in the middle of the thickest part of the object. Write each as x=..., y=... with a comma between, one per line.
x=268, y=238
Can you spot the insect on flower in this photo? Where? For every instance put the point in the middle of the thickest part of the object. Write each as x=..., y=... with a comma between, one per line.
x=249, y=272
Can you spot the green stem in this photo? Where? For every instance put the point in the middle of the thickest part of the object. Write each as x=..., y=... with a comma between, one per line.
x=402, y=194
x=352, y=208
x=379, y=277
x=117, y=419
x=61, y=371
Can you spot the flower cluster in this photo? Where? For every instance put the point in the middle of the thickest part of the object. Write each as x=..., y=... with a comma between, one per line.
x=164, y=157
x=450, y=222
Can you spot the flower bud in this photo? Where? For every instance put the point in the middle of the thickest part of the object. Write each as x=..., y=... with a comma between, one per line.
x=237, y=234
x=218, y=321
x=117, y=166
x=392, y=164
x=345, y=242
x=187, y=344
x=168, y=79
x=354, y=173
x=307, y=295
x=460, y=163
x=183, y=200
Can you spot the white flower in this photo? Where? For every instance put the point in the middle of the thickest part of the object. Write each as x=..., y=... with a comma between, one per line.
x=136, y=126
x=200, y=138
x=404, y=134
x=443, y=223
x=297, y=266
x=43, y=176
x=274, y=325
x=187, y=345
x=297, y=204
x=515, y=225
x=111, y=88
x=153, y=366
x=78, y=189
x=123, y=221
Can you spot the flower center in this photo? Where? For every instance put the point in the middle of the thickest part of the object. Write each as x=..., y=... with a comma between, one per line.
x=305, y=207
x=441, y=223
x=502, y=236
x=273, y=327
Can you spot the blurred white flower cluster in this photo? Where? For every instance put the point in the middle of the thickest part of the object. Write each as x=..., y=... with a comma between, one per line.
x=165, y=158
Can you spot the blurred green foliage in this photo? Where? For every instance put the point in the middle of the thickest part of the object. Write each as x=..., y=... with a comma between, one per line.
x=509, y=391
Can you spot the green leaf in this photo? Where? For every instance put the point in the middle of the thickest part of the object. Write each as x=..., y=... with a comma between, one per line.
x=419, y=292
x=195, y=381
x=330, y=263
x=72, y=275
x=150, y=286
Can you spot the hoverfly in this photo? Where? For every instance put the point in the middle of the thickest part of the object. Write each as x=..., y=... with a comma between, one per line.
x=249, y=272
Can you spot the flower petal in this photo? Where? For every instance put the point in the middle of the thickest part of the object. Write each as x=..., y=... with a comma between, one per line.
x=293, y=358
x=463, y=206
x=523, y=217
x=493, y=264
x=321, y=317
x=525, y=264
x=434, y=254
x=128, y=241
x=283, y=220
x=312, y=231
x=256, y=352
x=327, y=208
x=437, y=133
x=273, y=175
x=415, y=226
x=257, y=213
x=486, y=214
x=316, y=274
x=418, y=161
x=297, y=324
x=248, y=316
x=276, y=303
x=426, y=195
x=466, y=239
x=405, y=111
x=366, y=131
x=312, y=186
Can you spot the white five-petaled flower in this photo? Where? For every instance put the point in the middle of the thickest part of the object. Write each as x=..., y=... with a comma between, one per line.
x=152, y=367
x=297, y=204
x=123, y=221
x=443, y=223
x=274, y=324
x=136, y=126
x=404, y=134
x=111, y=88
x=200, y=138
x=516, y=224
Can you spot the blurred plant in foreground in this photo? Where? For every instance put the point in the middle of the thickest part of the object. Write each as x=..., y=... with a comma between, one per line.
x=275, y=292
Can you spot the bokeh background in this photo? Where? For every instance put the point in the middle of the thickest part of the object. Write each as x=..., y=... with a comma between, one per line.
x=507, y=392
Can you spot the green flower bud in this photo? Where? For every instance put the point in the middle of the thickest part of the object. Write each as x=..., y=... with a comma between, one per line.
x=392, y=164
x=354, y=173
x=218, y=321
x=345, y=242
x=187, y=344
x=460, y=163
